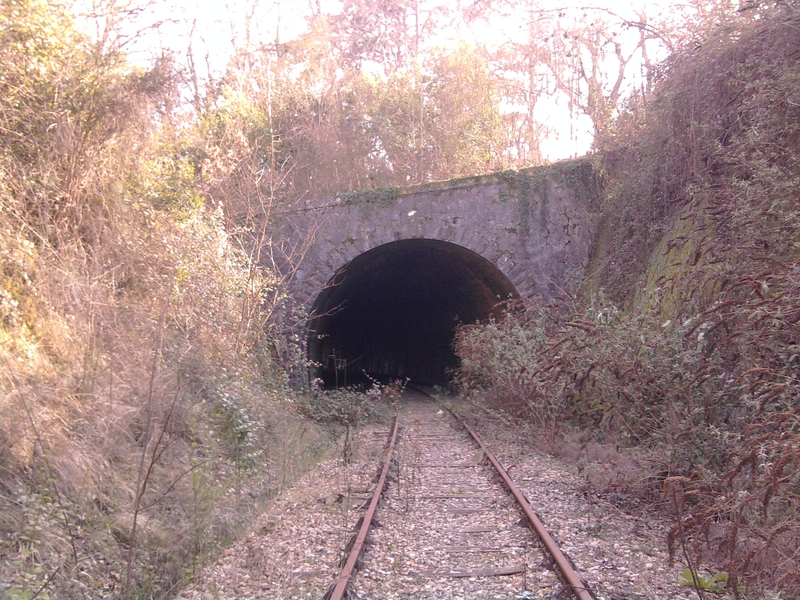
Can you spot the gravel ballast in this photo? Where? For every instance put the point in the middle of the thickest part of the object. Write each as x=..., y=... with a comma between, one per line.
x=446, y=528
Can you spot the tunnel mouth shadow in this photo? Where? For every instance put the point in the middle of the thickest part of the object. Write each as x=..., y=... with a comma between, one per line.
x=391, y=312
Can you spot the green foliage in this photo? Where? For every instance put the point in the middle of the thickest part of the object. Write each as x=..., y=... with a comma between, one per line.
x=595, y=366
x=35, y=544
x=345, y=406
x=463, y=119
x=239, y=432
x=378, y=196
x=715, y=584
x=37, y=37
x=170, y=183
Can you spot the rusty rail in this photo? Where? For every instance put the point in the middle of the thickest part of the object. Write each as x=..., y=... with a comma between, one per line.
x=568, y=574
x=344, y=578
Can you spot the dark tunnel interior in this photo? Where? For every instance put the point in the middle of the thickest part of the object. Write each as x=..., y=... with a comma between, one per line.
x=391, y=312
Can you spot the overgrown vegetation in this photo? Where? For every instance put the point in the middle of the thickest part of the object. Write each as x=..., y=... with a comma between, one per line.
x=143, y=416
x=692, y=353
x=145, y=412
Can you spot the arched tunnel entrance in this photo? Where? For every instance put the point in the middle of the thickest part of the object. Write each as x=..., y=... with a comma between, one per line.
x=392, y=311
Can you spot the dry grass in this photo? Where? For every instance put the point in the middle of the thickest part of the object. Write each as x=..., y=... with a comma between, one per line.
x=141, y=425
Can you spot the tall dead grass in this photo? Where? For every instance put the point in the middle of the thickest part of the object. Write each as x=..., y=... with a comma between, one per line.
x=140, y=423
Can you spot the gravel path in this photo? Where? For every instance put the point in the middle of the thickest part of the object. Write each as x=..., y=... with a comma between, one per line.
x=443, y=514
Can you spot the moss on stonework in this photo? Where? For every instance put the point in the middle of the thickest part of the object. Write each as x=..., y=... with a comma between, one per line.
x=529, y=187
x=599, y=253
x=381, y=196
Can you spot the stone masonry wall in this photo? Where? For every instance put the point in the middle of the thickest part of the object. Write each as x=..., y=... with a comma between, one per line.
x=536, y=225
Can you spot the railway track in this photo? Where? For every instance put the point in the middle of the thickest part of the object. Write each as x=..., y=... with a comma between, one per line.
x=451, y=523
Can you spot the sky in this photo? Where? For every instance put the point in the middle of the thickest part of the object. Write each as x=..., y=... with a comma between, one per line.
x=211, y=30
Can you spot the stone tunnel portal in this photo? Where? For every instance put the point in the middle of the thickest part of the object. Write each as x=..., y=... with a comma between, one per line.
x=391, y=312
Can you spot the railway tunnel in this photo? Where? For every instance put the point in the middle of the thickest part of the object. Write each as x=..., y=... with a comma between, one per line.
x=391, y=312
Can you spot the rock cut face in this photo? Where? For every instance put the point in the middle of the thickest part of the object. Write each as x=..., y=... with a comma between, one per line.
x=392, y=311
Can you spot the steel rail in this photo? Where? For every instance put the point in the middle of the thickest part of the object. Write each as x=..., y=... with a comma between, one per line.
x=568, y=574
x=344, y=578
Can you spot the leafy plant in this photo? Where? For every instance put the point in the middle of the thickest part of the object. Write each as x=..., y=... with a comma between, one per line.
x=344, y=406
x=715, y=584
